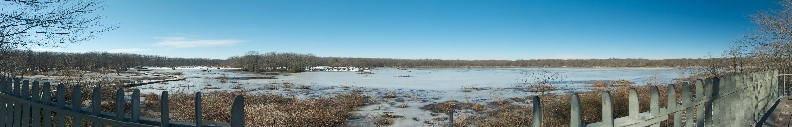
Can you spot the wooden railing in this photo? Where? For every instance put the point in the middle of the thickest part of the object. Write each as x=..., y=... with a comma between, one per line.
x=24, y=104
x=718, y=102
x=729, y=101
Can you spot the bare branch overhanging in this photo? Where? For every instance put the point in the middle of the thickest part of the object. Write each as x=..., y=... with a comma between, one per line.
x=50, y=23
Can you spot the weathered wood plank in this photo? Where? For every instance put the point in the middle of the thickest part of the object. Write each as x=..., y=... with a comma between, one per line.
x=575, y=116
x=25, y=107
x=84, y=114
x=164, y=115
x=119, y=98
x=17, y=82
x=34, y=92
x=708, y=105
x=238, y=112
x=36, y=110
x=654, y=103
x=9, y=103
x=607, y=109
x=687, y=101
x=96, y=104
x=3, y=104
x=17, y=106
x=198, y=110
x=47, y=99
x=136, y=105
x=537, y=112
x=77, y=105
x=672, y=105
x=25, y=89
x=699, y=98
x=633, y=104
x=61, y=97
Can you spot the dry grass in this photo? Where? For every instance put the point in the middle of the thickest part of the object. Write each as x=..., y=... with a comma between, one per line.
x=479, y=107
x=541, y=88
x=622, y=82
x=556, y=108
x=390, y=95
x=260, y=109
x=600, y=84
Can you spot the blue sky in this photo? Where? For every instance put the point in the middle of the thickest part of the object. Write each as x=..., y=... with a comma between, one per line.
x=417, y=29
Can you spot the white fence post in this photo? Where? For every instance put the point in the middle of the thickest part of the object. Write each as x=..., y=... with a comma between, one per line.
x=607, y=109
x=633, y=109
x=687, y=101
x=672, y=105
x=654, y=104
x=708, y=104
x=575, y=111
x=700, y=108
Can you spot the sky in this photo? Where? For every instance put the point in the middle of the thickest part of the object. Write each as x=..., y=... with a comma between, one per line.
x=419, y=29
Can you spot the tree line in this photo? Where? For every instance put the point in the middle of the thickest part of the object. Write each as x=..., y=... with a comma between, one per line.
x=18, y=62
x=296, y=62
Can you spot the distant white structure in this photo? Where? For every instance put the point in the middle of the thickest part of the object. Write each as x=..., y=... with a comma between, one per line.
x=328, y=68
x=317, y=68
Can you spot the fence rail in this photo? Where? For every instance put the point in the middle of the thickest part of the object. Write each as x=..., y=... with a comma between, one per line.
x=25, y=104
x=739, y=100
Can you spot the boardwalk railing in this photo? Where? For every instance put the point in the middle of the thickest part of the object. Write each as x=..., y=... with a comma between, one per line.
x=739, y=100
x=24, y=104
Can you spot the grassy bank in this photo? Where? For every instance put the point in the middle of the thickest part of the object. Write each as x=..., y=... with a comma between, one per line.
x=260, y=109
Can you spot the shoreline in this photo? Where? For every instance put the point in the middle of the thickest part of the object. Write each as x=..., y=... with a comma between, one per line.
x=535, y=67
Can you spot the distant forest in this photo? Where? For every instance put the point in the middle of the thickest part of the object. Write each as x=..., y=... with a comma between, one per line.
x=254, y=61
x=16, y=62
x=26, y=61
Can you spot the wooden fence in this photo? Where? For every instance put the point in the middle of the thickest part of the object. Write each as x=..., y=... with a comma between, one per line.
x=729, y=101
x=24, y=104
x=719, y=102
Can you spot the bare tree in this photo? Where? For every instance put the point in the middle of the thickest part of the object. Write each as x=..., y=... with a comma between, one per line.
x=736, y=57
x=45, y=23
x=251, y=60
x=713, y=66
x=543, y=81
x=770, y=44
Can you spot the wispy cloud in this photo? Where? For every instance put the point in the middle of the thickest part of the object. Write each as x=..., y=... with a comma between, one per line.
x=183, y=42
x=125, y=50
